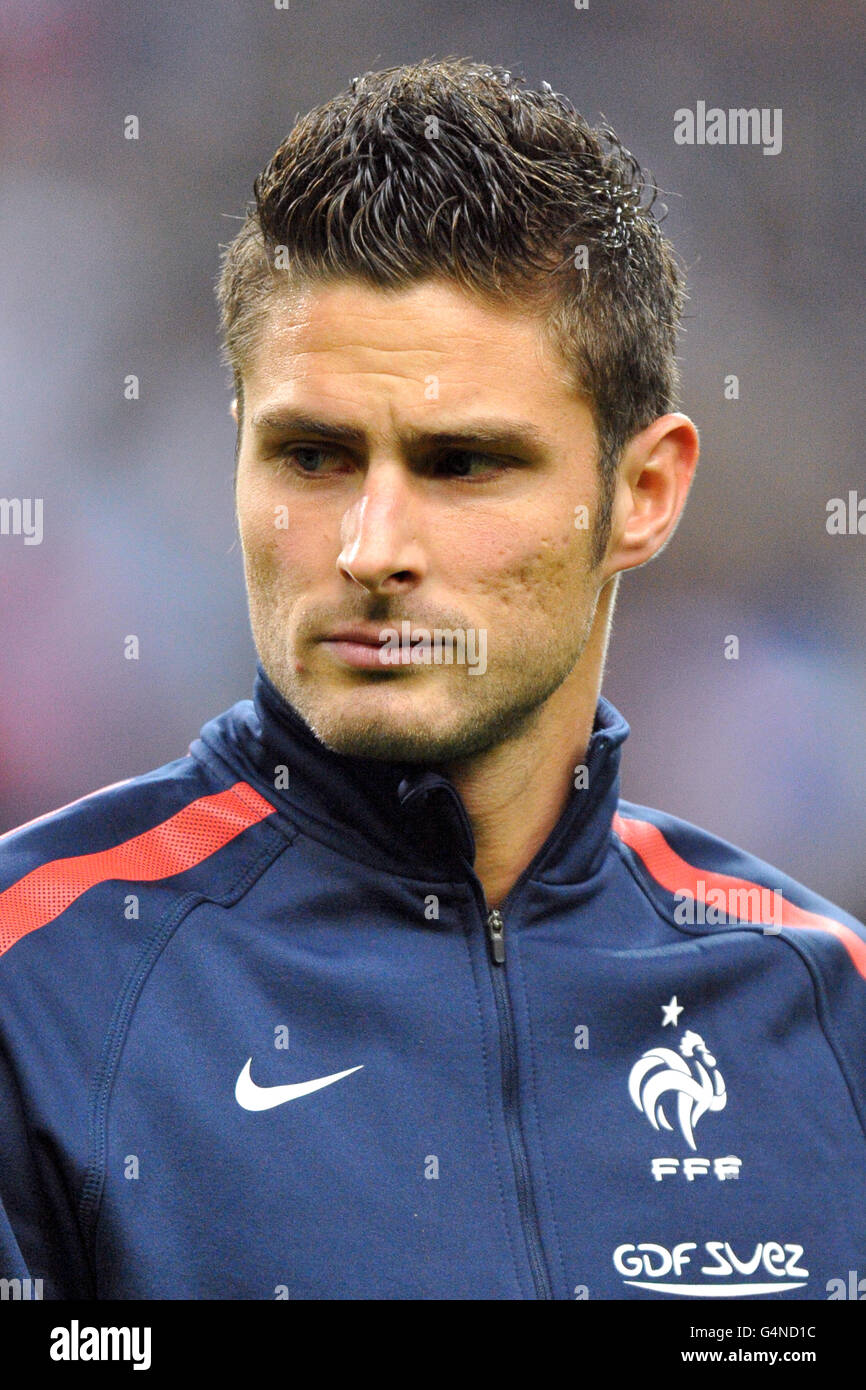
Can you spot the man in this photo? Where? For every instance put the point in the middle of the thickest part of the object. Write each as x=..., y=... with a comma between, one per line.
x=382, y=992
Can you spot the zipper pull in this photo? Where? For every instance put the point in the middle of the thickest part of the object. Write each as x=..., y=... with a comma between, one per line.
x=496, y=935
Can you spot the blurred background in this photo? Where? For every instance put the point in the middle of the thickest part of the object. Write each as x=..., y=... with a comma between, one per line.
x=109, y=252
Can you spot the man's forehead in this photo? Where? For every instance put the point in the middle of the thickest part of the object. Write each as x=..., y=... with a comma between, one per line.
x=431, y=316
x=432, y=333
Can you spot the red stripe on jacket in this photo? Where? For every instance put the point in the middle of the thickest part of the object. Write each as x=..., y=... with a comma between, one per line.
x=184, y=840
x=678, y=876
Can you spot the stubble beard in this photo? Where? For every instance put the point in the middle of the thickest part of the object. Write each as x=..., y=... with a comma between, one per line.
x=483, y=712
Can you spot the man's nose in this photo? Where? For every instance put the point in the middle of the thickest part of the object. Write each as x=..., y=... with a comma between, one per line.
x=382, y=548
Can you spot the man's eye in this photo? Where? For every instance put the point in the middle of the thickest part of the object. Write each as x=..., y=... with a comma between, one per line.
x=465, y=463
x=310, y=460
x=317, y=461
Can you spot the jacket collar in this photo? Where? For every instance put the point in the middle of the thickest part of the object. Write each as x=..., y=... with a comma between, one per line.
x=406, y=818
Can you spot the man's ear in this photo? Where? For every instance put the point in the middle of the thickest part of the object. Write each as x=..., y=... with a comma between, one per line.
x=653, y=481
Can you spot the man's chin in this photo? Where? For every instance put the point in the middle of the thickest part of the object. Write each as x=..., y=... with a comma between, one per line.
x=393, y=718
x=409, y=729
x=412, y=738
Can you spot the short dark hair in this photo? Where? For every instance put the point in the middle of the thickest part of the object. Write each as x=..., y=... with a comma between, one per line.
x=456, y=170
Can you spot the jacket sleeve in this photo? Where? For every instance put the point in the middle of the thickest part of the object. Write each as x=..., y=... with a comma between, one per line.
x=39, y=1235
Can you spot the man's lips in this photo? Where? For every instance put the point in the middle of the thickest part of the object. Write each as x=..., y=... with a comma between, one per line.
x=361, y=647
x=357, y=633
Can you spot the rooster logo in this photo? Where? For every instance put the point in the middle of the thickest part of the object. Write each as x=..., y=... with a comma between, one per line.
x=696, y=1082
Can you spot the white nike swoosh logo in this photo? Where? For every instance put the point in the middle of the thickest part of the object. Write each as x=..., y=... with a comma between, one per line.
x=253, y=1097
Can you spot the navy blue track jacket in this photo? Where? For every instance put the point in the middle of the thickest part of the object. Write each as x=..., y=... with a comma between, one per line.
x=262, y=1037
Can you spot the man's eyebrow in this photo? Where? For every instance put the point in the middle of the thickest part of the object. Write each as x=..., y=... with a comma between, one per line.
x=494, y=434
x=501, y=434
x=297, y=421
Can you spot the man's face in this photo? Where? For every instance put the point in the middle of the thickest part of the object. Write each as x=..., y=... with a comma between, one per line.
x=424, y=463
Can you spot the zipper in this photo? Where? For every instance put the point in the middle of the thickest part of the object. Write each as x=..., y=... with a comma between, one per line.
x=495, y=925
x=496, y=935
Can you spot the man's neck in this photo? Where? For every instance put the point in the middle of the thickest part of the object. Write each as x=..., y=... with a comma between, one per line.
x=515, y=793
